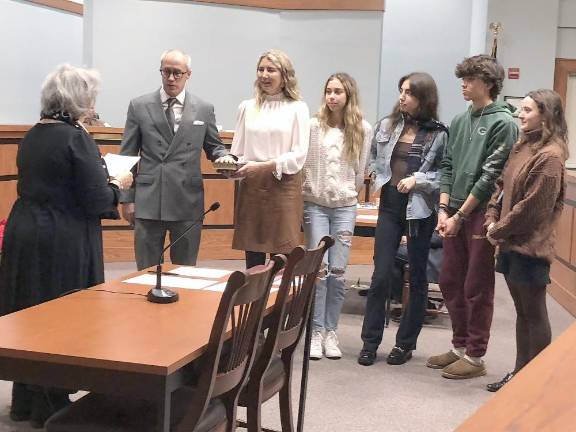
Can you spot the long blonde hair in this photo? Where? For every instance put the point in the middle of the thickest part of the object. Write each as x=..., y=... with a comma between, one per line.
x=289, y=82
x=353, y=129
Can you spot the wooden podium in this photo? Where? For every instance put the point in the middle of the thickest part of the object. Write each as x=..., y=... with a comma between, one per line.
x=117, y=234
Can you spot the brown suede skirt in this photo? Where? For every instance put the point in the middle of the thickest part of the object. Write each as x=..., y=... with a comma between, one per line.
x=268, y=214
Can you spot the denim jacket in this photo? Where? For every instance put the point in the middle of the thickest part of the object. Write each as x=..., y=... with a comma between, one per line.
x=423, y=199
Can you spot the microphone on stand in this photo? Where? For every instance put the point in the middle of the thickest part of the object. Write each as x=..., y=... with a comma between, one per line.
x=164, y=295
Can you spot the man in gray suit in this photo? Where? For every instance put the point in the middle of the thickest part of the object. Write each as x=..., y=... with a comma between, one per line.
x=168, y=130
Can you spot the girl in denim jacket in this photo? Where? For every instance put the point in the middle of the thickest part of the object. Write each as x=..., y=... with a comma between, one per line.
x=404, y=161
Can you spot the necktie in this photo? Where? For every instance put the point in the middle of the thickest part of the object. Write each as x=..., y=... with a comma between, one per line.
x=170, y=113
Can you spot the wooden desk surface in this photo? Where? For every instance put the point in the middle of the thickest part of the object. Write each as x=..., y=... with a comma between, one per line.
x=113, y=331
x=540, y=398
x=367, y=217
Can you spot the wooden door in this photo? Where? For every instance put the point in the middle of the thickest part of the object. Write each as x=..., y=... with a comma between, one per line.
x=565, y=85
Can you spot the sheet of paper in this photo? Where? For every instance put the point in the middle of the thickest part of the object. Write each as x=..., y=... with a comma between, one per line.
x=200, y=272
x=117, y=164
x=366, y=205
x=170, y=281
x=218, y=287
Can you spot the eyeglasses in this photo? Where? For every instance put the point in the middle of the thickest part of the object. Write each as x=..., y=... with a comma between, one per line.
x=177, y=74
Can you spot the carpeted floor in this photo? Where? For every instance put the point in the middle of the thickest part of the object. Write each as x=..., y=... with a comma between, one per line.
x=343, y=396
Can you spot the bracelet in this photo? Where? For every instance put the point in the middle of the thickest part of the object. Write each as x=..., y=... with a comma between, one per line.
x=461, y=215
x=116, y=183
x=443, y=206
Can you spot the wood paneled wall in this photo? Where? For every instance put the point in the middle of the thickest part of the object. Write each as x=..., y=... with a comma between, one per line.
x=118, y=235
x=63, y=5
x=350, y=5
x=563, y=271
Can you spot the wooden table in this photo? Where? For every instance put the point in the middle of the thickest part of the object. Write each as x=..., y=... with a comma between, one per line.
x=366, y=219
x=110, y=343
x=540, y=398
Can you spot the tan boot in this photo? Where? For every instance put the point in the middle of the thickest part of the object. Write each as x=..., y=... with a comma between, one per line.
x=442, y=360
x=463, y=369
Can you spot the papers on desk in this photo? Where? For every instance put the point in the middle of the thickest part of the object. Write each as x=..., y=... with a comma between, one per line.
x=187, y=278
x=170, y=281
x=199, y=278
x=218, y=287
x=367, y=205
x=204, y=273
x=117, y=164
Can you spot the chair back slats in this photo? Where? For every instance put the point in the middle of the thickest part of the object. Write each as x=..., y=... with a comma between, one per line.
x=288, y=337
x=302, y=286
x=222, y=386
x=245, y=319
x=285, y=328
x=230, y=352
x=292, y=302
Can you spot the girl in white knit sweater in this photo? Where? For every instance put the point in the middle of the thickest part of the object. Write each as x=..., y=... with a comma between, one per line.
x=333, y=175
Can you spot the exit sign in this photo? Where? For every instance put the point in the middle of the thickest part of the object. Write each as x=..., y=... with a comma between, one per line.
x=514, y=73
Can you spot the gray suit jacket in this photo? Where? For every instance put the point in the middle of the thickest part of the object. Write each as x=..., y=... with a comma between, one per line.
x=168, y=185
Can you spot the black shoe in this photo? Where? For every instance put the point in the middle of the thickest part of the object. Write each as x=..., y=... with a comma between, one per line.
x=494, y=387
x=366, y=358
x=399, y=356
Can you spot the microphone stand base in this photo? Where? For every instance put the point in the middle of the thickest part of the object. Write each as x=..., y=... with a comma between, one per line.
x=162, y=295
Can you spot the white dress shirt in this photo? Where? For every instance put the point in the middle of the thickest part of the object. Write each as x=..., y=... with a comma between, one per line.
x=177, y=108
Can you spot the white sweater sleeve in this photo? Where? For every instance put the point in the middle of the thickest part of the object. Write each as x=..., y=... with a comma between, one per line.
x=361, y=171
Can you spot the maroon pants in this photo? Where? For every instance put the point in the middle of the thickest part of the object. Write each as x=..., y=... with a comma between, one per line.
x=467, y=284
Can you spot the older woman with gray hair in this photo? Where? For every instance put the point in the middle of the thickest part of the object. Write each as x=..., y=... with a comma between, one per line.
x=53, y=238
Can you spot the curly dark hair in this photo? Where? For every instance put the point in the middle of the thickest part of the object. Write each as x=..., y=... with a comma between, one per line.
x=485, y=68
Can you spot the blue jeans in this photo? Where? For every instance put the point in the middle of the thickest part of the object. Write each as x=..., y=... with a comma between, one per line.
x=330, y=289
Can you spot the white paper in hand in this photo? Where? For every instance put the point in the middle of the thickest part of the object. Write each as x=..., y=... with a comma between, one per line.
x=118, y=164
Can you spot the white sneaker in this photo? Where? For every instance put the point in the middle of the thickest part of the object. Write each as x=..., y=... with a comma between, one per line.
x=331, y=346
x=316, y=345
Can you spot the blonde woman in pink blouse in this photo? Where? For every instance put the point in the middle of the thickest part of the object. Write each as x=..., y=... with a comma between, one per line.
x=271, y=138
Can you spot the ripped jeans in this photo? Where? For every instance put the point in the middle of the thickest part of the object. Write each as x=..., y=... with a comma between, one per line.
x=331, y=288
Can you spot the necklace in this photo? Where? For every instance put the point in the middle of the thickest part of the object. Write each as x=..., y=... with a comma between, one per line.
x=473, y=130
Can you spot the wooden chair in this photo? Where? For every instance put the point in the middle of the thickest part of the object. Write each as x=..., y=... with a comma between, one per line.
x=272, y=370
x=208, y=405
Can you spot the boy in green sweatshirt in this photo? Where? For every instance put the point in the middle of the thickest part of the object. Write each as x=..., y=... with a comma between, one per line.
x=478, y=146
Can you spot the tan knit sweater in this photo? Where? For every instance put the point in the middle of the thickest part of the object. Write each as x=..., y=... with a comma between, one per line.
x=528, y=201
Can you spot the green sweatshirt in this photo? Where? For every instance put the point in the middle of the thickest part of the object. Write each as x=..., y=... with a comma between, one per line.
x=478, y=147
